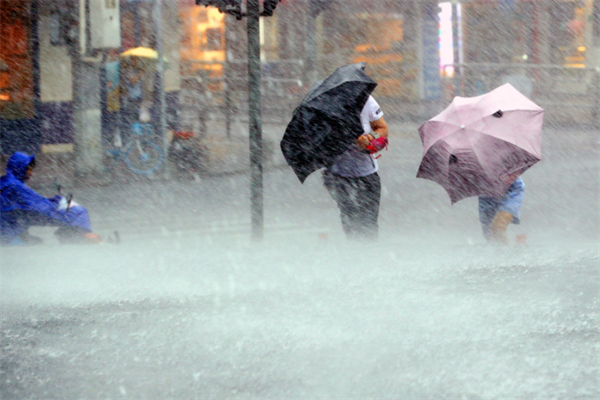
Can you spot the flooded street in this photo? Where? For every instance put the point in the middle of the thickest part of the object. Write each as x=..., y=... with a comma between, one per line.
x=187, y=306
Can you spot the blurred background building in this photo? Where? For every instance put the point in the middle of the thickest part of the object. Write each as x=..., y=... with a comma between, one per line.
x=547, y=49
x=421, y=52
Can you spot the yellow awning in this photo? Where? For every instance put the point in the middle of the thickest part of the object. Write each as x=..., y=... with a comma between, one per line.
x=142, y=52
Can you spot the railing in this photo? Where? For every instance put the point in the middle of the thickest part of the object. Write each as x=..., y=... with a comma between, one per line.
x=568, y=94
x=225, y=95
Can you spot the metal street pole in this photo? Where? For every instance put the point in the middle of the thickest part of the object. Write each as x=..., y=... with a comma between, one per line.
x=227, y=76
x=255, y=123
x=310, y=75
x=160, y=86
x=87, y=118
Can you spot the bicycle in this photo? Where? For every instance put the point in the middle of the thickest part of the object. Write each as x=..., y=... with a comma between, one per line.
x=141, y=155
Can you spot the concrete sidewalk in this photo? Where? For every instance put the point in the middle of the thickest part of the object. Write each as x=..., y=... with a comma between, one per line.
x=224, y=155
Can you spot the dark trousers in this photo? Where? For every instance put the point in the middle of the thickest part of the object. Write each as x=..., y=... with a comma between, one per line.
x=358, y=200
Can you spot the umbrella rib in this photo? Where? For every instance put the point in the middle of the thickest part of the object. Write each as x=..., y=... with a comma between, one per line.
x=479, y=157
x=499, y=138
x=473, y=108
x=476, y=151
x=443, y=137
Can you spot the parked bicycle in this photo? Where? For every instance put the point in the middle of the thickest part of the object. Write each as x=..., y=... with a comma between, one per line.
x=186, y=154
x=141, y=154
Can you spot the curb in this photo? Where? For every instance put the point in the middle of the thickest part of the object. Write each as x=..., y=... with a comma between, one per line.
x=226, y=156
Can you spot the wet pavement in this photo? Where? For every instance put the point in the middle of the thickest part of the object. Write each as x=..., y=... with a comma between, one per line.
x=187, y=306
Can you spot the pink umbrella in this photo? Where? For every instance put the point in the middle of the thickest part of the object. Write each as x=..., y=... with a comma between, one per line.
x=479, y=145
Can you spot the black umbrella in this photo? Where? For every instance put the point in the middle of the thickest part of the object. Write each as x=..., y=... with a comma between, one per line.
x=327, y=121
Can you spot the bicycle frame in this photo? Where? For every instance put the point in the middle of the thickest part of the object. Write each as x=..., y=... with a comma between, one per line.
x=146, y=151
x=140, y=129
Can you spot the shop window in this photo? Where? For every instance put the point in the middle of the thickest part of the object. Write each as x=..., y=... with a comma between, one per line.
x=378, y=39
x=214, y=39
x=202, y=48
x=16, y=66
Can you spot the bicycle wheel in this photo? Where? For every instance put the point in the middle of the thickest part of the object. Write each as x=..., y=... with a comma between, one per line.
x=143, y=157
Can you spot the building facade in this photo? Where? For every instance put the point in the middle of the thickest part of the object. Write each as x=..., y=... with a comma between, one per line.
x=19, y=67
x=550, y=49
x=37, y=41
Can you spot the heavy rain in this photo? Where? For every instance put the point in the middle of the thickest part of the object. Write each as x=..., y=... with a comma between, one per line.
x=190, y=225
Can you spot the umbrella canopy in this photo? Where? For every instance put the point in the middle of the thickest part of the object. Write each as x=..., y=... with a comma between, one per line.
x=327, y=121
x=479, y=145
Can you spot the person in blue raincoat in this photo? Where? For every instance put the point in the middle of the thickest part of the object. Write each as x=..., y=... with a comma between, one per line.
x=21, y=207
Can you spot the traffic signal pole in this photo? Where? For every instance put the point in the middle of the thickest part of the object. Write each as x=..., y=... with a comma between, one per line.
x=160, y=84
x=253, y=14
x=255, y=120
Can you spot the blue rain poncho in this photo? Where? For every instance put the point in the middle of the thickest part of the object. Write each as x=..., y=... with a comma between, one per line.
x=21, y=207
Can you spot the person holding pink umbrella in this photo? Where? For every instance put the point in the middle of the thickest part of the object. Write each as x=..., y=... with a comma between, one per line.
x=480, y=146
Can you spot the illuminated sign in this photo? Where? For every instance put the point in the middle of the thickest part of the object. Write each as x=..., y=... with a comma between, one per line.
x=445, y=38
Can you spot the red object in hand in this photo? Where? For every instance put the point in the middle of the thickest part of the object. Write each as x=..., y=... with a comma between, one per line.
x=184, y=135
x=377, y=145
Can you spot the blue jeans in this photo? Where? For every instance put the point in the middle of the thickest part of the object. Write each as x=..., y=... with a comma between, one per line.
x=511, y=203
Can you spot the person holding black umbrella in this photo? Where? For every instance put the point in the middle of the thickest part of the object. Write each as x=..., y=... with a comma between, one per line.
x=339, y=126
x=353, y=181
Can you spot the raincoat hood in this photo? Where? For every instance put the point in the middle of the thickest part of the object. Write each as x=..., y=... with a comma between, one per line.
x=18, y=163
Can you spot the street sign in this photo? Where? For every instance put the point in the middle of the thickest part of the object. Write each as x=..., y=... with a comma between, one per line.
x=269, y=7
x=233, y=7
x=253, y=14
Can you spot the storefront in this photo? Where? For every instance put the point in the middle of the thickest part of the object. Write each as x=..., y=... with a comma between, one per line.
x=202, y=47
x=138, y=28
x=36, y=82
x=547, y=49
x=19, y=71
x=518, y=31
x=386, y=35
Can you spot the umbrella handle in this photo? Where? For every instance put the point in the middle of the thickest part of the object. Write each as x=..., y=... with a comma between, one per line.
x=69, y=198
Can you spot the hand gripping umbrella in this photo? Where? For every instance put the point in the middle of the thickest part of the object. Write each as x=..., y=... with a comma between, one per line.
x=327, y=121
x=479, y=145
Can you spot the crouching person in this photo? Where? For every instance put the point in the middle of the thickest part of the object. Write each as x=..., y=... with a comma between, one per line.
x=21, y=207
